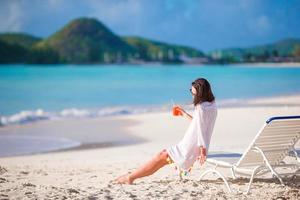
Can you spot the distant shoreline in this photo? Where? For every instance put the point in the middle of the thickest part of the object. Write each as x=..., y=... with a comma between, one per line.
x=284, y=64
x=258, y=64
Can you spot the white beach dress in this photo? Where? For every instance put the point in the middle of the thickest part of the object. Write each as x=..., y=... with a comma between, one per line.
x=199, y=132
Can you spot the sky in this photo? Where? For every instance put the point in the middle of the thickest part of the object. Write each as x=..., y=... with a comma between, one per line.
x=203, y=24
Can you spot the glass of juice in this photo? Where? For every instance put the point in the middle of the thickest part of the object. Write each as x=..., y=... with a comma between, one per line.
x=176, y=109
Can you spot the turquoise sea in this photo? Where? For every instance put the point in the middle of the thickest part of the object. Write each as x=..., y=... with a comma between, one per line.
x=34, y=92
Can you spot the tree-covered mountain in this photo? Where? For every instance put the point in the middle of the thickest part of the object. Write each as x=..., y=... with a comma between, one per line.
x=150, y=50
x=282, y=48
x=87, y=40
x=21, y=48
x=21, y=39
x=11, y=53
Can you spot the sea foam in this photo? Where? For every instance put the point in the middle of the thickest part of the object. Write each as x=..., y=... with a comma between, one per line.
x=28, y=116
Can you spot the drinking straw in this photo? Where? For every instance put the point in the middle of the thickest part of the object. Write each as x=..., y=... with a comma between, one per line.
x=173, y=102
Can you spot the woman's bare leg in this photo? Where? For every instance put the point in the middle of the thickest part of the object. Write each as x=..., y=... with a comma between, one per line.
x=157, y=162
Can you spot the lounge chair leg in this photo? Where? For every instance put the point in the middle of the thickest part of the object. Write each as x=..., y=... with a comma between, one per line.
x=269, y=165
x=233, y=173
x=219, y=174
x=255, y=171
x=274, y=173
x=279, y=178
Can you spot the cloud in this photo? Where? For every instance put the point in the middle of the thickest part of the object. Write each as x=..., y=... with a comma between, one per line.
x=248, y=4
x=204, y=24
x=55, y=3
x=260, y=25
x=10, y=16
x=126, y=15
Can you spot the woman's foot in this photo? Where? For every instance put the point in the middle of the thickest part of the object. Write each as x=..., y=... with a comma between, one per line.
x=124, y=179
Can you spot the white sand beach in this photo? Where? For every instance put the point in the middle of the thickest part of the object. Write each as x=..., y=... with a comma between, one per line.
x=272, y=64
x=86, y=172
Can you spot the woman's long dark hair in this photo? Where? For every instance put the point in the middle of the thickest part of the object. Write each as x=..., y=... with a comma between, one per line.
x=204, y=92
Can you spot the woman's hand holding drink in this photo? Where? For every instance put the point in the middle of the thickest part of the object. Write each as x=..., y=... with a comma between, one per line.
x=177, y=110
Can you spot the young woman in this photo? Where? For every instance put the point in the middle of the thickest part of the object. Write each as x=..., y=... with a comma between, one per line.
x=195, y=143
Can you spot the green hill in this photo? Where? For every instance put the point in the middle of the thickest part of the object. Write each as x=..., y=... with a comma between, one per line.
x=21, y=39
x=86, y=40
x=22, y=48
x=155, y=50
x=12, y=53
x=281, y=48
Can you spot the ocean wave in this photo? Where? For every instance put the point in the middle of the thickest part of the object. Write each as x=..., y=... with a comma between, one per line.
x=28, y=116
x=24, y=116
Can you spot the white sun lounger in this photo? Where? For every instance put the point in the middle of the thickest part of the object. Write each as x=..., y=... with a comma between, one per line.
x=275, y=141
